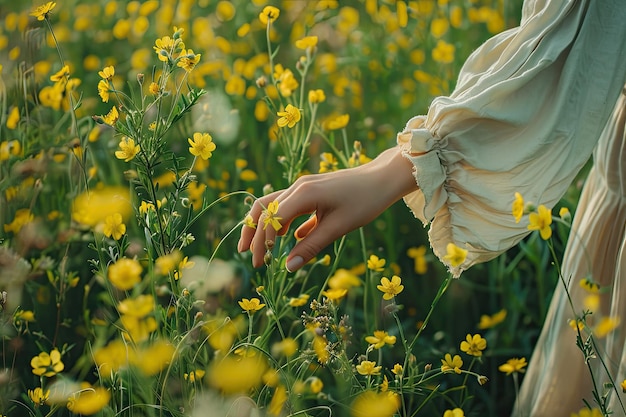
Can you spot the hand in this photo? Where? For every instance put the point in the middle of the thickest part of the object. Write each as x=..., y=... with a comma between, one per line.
x=337, y=202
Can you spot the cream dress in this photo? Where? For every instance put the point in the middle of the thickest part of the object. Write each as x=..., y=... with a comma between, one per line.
x=530, y=106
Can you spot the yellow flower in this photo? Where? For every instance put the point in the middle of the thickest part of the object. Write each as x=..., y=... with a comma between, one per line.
x=375, y=263
x=47, y=364
x=443, y=52
x=606, y=326
x=338, y=122
x=474, y=345
x=154, y=88
x=455, y=255
x=165, y=264
x=586, y=412
x=286, y=347
x=306, y=42
x=24, y=315
x=289, y=117
x=61, y=75
x=368, y=368
x=439, y=27
x=278, y=400
x=146, y=207
x=194, y=376
x=22, y=218
x=112, y=357
x=107, y=73
x=38, y=396
x=390, y=288
x=419, y=259
x=271, y=217
x=397, y=369
x=236, y=374
x=541, y=221
x=13, y=118
x=380, y=339
x=251, y=306
x=114, y=226
x=623, y=385
x=335, y=294
x=188, y=59
x=125, y=273
x=457, y=412
x=43, y=12
x=589, y=285
x=342, y=278
x=513, y=365
x=128, y=149
x=375, y=404
x=89, y=400
x=564, y=214
x=449, y=363
x=317, y=96
x=163, y=48
x=9, y=149
x=518, y=207
x=328, y=162
x=153, y=359
x=316, y=385
x=111, y=117
x=487, y=322
x=103, y=90
x=202, y=145
x=299, y=301
x=138, y=307
x=269, y=15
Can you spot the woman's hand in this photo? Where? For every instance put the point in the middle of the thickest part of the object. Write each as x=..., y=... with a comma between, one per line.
x=338, y=202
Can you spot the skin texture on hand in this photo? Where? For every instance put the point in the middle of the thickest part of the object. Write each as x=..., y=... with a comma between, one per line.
x=337, y=203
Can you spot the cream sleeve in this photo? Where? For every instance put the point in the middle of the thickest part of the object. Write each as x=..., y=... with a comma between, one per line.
x=527, y=111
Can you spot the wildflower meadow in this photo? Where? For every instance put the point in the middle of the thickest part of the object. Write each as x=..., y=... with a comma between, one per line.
x=134, y=138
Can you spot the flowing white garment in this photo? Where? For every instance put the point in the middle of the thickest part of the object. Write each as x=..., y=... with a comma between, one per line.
x=529, y=108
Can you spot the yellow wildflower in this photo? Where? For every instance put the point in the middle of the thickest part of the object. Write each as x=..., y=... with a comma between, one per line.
x=316, y=385
x=89, y=400
x=125, y=273
x=107, y=73
x=589, y=285
x=47, y=364
x=103, y=90
x=252, y=305
x=188, y=59
x=378, y=404
x=154, y=358
x=380, y=339
x=13, y=118
x=474, y=345
x=343, y=278
x=269, y=15
x=128, y=149
x=38, y=396
x=518, y=207
x=390, y=288
x=43, y=12
x=194, y=376
x=368, y=368
x=61, y=75
x=289, y=117
x=457, y=412
x=450, y=363
x=487, y=322
x=586, y=412
x=278, y=400
x=24, y=315
x=202, y=145
x=623, y=385
x=513, y=365
x=335, y=294
x=306, y=42
x=286, y=347
x=455, y=255
x=541, y=220
x=328, y=162
x=236, y=374
x=112, y=357
x=299, y=301
x=22, y=217
x=317, y=96
x=397, y=369
x=605, y=326
x=443, y=52
x=376, y=264
x=271, y=217
x=111, y=117
x=419, y=259
x=114, y=226
x=338, y=122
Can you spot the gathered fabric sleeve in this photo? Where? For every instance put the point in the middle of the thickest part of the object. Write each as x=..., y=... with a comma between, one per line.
x=527, y=111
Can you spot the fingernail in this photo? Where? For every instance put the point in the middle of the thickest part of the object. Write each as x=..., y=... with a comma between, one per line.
x=294, y=263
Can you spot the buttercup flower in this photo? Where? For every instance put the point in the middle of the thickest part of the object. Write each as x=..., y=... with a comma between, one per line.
x=474, y=345
x=586, y=412
x=605, y=326
x=376, y=264
x=316, y=385
x=60, y=75
x=335, y=294
x=487, y=322
x=89, y=400
x=38, y=396
x=103, y=90
x=317, y=96
x=251, y=306
x=13, y=118
x=154, y=88
x=513, y=365
x=368, y=368
x=397, y=369
x=457, y=412
x=541, y=220
x=450, y=363
x=111, y=117
x=455, y=255
x=380, y=339
x=107, y=73
x=202, y=145
x=43, y=12
x=623, y=385
x=188, y=59
x=194, y=376
x=269, y=14
x=114, y=226
x=47, y=364
x=379, y=404
x=589, y=285
x=338, y=122
x=289, y=117
x=271, y=217
x=306, y=42
x=419, y=259
x=518, y=207
x=299, y=301
x=128, y=149
x=390, y=288
x=125, y=273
